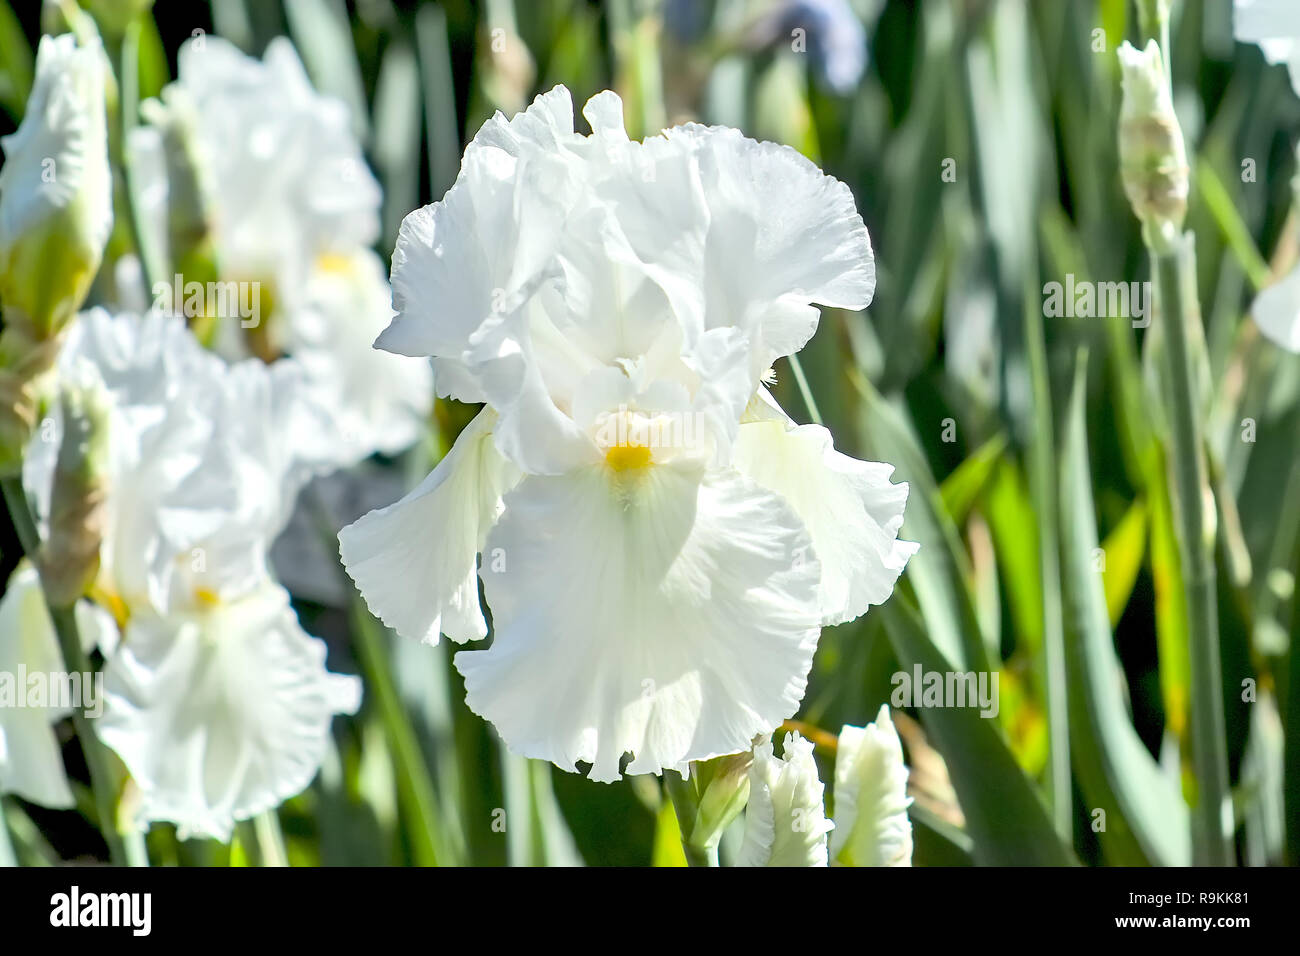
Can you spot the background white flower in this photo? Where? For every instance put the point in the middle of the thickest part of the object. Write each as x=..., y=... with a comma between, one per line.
x=222, y=712
x=294, y=208
x=1274, y=25
x=217, y=701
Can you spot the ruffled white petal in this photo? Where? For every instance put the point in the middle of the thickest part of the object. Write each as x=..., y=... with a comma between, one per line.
x=1277, y=311
x=871, y=824
x=414, y=561
x=222, y=714
x=781, y=234
x=785, y=821
x=852, y=510
x=660, y=614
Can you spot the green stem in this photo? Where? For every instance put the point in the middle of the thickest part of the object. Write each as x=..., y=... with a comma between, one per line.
x=420, y=802
x=97, y=761
x=416, y=792
x=1291, y=737
x=74, y=659
x=1191, y=500
x=135, y=848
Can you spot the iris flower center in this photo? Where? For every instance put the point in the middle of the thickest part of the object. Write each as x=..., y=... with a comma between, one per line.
x=623, y=458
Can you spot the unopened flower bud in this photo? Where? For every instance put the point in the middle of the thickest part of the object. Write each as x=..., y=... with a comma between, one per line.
x=871, y=822
x=170, y=144
x=55, y=216
x=56, y=207
x=1152, y=158
x=70, y=557
x=711, y=799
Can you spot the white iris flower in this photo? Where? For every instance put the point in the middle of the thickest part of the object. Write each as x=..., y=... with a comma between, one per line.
x=217, y=701
x=660, y=544
x=295, y=209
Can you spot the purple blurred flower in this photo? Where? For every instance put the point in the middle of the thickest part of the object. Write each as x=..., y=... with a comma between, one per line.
x=831, y=34
x=835, y=39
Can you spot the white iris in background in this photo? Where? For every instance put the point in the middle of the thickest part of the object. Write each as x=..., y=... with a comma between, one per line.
x=661, y=545
x=217, y=701
x=785, y=821
x=295, y=209
x=1274, y=25
x=31, y=761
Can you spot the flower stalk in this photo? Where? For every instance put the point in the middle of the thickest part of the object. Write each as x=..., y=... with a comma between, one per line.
x=1192, y=502
x=74, y=659
x=1153, y=166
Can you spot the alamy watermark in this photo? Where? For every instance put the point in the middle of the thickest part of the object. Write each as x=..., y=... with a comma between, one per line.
x=58, y=690
x=629, y=428
x=1082, y=299
x=227, y=299
x=921, y=688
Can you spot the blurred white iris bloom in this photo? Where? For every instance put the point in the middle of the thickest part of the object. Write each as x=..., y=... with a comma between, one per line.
x=216, y=699
x=1274, y=26
x=292, y=211
x=660, y=543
